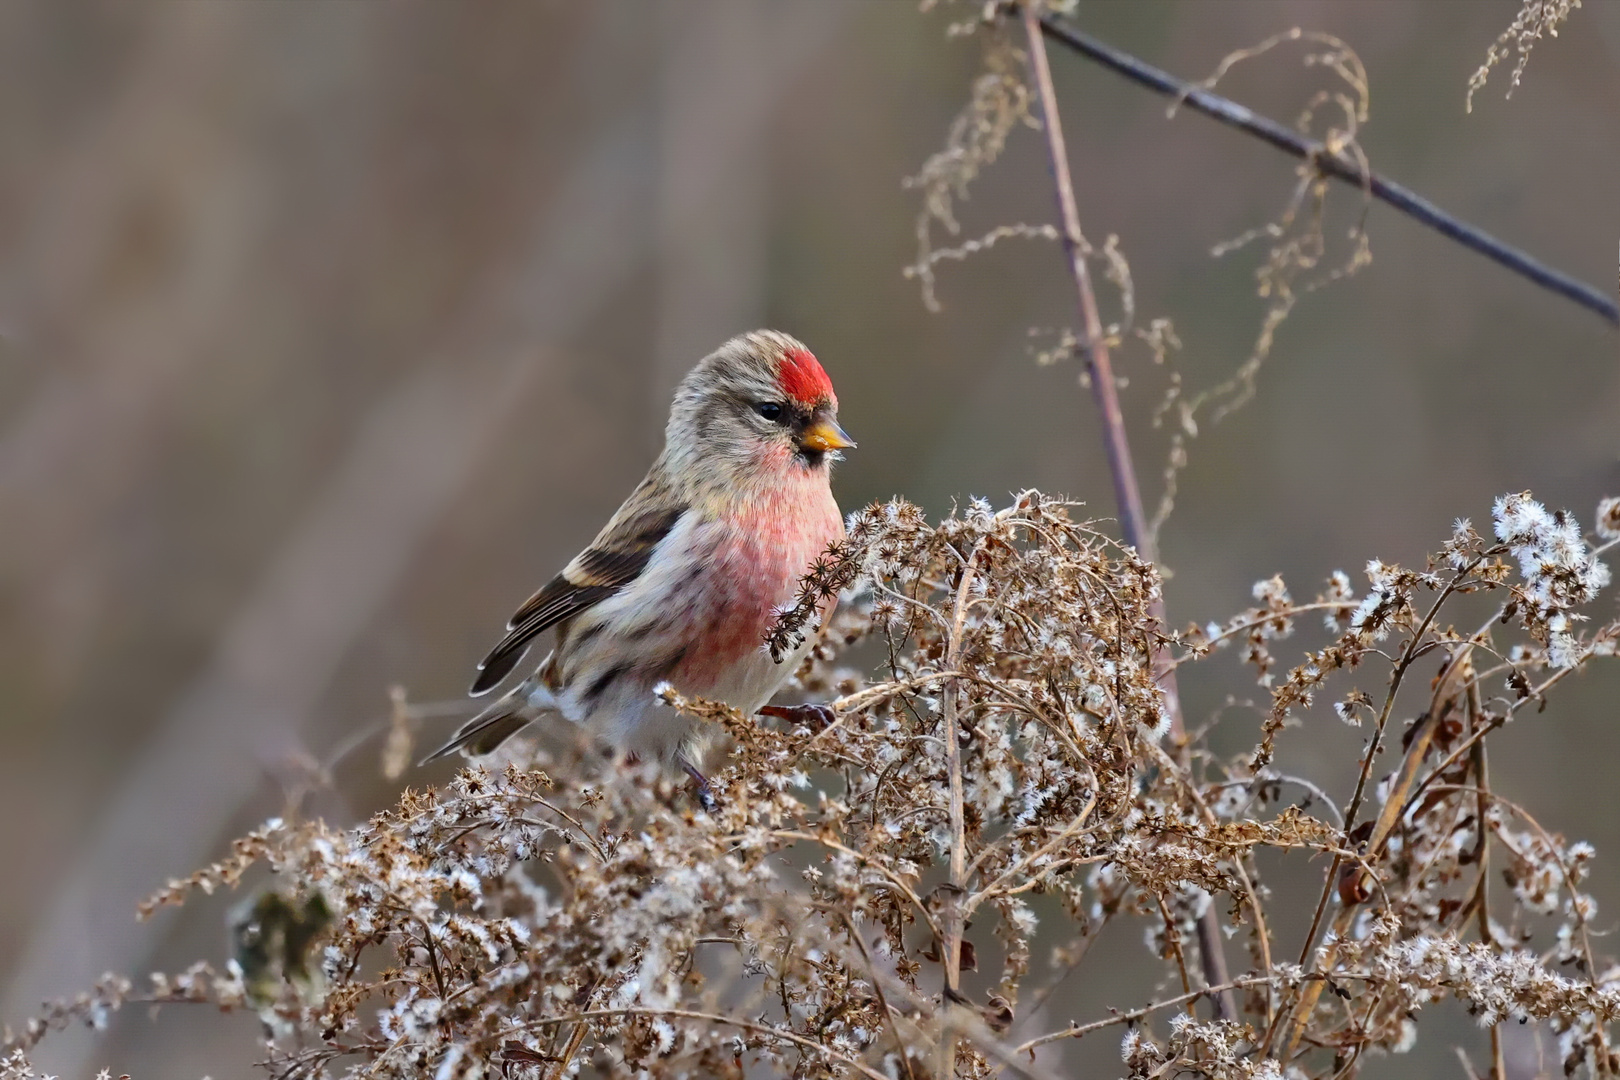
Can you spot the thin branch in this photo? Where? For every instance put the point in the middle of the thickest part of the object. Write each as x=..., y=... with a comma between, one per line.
x=1172, y=940
x=1482, y=850
x=951, y=942
x=1128, y=497
x=1451, y=683
x=1270, y=776
x=1076, y=1031
x=900, y=1048
x=766, y=1030
x=1033, y=1007
x=1337, y=165
x=1408, y=657
x=1251, y=895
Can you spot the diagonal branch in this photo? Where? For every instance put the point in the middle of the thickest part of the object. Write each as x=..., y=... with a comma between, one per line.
x=1337, y=165
x=1128, y=497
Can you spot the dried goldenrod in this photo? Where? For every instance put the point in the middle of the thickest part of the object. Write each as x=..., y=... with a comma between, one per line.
x=990, y=797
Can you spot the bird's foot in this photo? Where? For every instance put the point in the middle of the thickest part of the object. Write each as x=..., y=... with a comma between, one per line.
x=814, y=716
x=700, y=788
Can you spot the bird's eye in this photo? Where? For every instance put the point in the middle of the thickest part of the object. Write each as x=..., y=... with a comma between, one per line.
x=770, y=410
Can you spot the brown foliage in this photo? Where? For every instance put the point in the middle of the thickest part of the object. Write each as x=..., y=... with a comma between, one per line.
x=564, y=913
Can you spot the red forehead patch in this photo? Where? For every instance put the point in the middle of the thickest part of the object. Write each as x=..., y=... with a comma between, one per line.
x=802, y=378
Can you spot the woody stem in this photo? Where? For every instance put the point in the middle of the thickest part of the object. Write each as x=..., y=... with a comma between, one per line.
x=1127, y=496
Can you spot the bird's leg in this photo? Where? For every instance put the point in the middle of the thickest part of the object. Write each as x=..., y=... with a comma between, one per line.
x=816, y=717
x=700, y=786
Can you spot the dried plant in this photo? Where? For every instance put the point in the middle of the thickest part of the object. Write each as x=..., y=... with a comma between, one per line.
x=1536, y=18
x=895, y=881
x=1299, y=243
x=1005, y=777
x=998, y=106
x=1299, y=257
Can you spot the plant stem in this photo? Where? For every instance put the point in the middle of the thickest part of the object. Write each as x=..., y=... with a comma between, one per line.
x=1127, y=496
x=1482, y=847
x=951, y=941
x=1449, y=689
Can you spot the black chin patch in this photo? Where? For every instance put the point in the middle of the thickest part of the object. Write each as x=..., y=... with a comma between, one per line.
x=811, y=458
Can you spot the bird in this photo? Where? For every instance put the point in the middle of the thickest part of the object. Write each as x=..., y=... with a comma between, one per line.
x=683, y=584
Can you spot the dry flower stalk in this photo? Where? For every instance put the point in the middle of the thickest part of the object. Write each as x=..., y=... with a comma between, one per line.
x=1536, y=19
x=1139, y=532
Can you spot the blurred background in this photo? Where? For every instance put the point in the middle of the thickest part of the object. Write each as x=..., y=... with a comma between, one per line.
x=326, y=333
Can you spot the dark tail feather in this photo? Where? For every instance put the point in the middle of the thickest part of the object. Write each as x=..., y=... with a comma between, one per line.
x=482, y=739
x=497, y=666
x=490, y=728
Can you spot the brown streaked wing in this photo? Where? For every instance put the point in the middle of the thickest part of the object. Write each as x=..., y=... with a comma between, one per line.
x=615, y=558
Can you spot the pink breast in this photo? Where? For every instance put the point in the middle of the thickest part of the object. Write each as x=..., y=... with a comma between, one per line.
x=754, y=569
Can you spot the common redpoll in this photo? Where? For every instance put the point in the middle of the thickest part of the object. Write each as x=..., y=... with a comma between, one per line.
x=684, y=583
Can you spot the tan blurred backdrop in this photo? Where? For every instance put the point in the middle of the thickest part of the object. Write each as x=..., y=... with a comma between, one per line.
x=326, y=332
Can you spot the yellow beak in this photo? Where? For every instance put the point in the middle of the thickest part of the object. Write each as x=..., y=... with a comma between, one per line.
x=824, y=435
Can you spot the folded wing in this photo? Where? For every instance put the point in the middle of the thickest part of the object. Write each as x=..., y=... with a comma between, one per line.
x=615, y=558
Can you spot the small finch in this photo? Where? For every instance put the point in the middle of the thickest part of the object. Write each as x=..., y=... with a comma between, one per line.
x=684, y=582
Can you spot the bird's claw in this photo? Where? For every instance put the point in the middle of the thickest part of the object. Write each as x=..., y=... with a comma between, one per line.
x=815, y=716
x=700, y=788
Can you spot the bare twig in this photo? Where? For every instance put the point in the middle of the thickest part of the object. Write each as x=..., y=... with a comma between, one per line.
x=1076, y=1031
x=1127, y=496
x=764, y=1030
x=1448, y=687
x=1337, y=165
